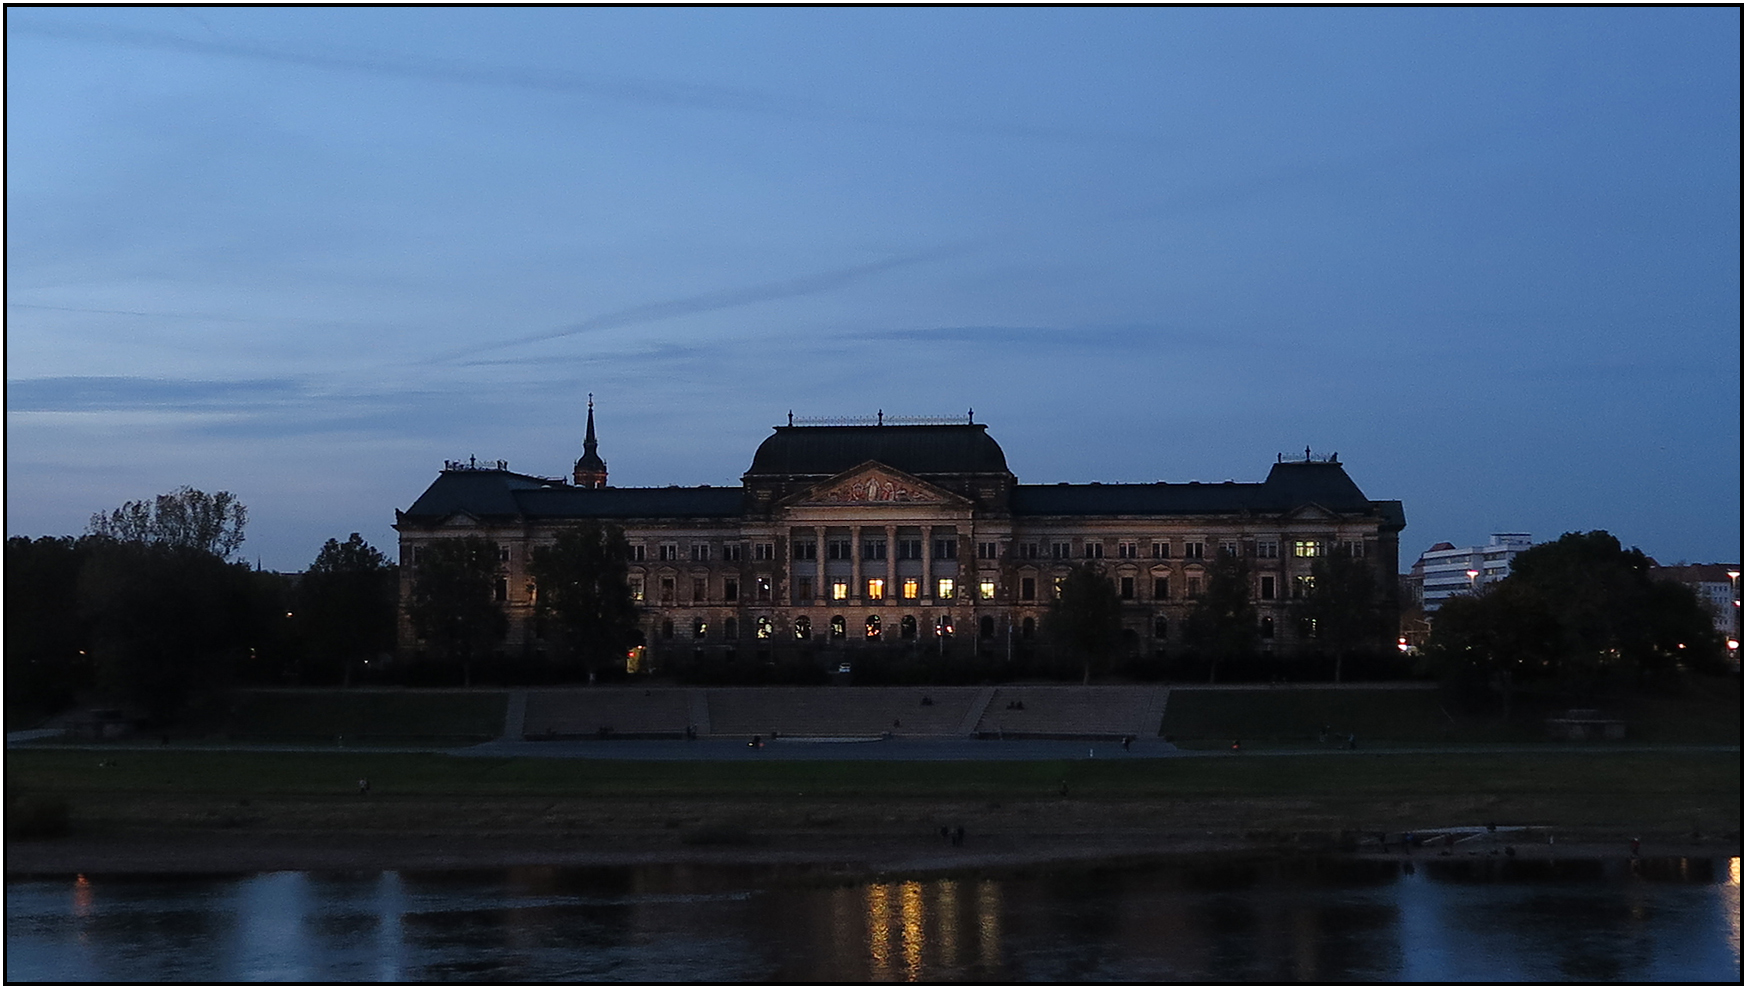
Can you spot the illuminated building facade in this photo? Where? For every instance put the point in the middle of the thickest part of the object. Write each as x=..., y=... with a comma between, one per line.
x=850, y=535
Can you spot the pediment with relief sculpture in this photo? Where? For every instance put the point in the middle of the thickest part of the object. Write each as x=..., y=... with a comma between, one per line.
x=874, y=483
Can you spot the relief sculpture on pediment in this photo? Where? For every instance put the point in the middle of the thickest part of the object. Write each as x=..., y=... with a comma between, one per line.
x=875, y=488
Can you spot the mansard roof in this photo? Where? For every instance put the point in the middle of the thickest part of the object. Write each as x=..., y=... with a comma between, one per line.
x=824, y=451
x=1290, y=486
x=502, y=494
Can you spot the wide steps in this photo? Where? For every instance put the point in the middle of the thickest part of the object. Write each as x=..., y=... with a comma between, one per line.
x=585, y=711
x=1060, y=711
x=835, y=712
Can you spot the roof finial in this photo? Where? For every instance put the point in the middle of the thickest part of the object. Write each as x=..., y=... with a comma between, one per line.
x=880, y=418
x=1307, y=454
x=791, y=417
x=971, y=417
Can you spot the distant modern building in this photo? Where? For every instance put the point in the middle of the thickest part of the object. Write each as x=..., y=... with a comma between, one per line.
x=1716, y=584
x=856, y=534
x=1446, y=570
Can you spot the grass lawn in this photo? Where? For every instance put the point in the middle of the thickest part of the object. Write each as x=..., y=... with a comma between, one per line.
x=361, y=715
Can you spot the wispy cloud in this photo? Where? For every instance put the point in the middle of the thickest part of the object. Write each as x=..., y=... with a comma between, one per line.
x=665, y=93
x=120, y=393
x=733, y=298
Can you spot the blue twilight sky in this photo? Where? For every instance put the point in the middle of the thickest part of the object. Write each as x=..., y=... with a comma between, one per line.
x=1490, y=256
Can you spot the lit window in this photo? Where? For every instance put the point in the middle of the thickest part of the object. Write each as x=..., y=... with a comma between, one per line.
x=1302, y=585
x=1126, y=589
x=764, y=628
x=944, y=587
x=987, y=551
x=1307, y=547
x=912, y=588
x=876, y=588
x=637, y=589
x=873, y=626
x=1028, y=588
x=839, y=627
x=762, y=584
x=943, y=626
x=730, y=588
x=803, y=627
x=986, y=590
x=946, y=549
x=840, y=590
x=700, y=628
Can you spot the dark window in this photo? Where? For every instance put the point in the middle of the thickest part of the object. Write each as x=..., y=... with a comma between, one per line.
x=804, y=588
x=1267, y=628
x=667, y=590
x=1161, y=588
x=667, y=628
x=907, y=627
x=946, y=549
x=1127, y=589
x=637, y=553
x=1193, y=551
x=1307, y=628
x=1094, y=550
x=1161, y=627
x=803, y=627
x=1028, y=551
x=762, y=551
x=1267, y=587
x=987, y=551
x=700, y=552
x=986, y=627
x=909, y=549
x=1028, y=588
x=1028, y=628
x=837, y=549
x=700, y=588
x=501, y=590
x=730, y=588
x=731, y=552
x=1061, y=551
x=806, y=550
x=873, y=549
x=670, y=551
x=1161, y=551
x=1194, y=587
x=730, y=629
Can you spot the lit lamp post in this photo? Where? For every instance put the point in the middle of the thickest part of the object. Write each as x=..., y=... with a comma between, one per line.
x=1734, y=613
x=1472, y=589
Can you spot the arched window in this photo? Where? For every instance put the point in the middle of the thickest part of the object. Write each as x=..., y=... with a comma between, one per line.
x=700, y=628
x=765, y=628
x=986, y=627
x=839, y=627
x=1161, y=627
x=1028, y=628
x=873, y=626
x=803, y=627
x=730, y=629
x=1267, y=628
x=667, y=628
x=907, y=627
x=943, y=626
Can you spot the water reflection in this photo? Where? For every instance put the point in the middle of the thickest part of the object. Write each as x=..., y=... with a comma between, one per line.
x=1224, y=920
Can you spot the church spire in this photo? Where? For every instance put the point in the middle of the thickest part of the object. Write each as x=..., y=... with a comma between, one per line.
x=591, y=470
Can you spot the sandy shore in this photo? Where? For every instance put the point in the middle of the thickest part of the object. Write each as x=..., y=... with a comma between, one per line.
x=848, y=854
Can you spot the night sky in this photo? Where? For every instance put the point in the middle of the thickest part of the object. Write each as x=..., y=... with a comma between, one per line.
x=1490, y=256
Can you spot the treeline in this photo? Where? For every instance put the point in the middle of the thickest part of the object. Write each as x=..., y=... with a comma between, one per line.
x=146, y=610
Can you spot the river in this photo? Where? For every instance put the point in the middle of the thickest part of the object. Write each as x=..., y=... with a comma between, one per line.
x=1224, y=919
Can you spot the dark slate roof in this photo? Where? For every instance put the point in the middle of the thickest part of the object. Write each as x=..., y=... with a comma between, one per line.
x=503, y=494
x=1289, y=486
x=920, y=450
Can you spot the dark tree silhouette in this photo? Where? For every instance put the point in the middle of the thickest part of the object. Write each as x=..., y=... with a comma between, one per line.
x=1343, y=604
x=451, y=605
x=1223, y=623
x=1084, y=622
x=185, y=517
x=346, y=607
x=581, y=586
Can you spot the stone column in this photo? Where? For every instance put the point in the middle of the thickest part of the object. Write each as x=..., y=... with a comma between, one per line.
x=928, y=562
x=891, y=562
x=821, y=593
x=855, y=587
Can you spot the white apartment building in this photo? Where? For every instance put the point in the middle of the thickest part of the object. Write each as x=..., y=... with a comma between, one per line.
x=1446, y=570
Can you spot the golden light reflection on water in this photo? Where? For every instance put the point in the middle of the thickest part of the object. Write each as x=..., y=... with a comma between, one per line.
x=910, y=900
x=82, y=896
x=879, y=932
x=1731, y=894
x=934, y=935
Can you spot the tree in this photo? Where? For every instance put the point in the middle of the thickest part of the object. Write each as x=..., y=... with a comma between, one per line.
x=165, y=621
x=1223, y=622
x=1084, y=622
x=1578, y=613
x=47, y=645
x=1342, y=603
x=185, y=517
x=346, y=605
x=451, y=605
x=581, y=586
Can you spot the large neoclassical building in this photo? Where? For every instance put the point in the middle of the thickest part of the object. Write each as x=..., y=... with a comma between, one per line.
x=846, y=535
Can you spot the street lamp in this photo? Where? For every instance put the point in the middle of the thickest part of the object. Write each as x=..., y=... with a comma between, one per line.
x=1471, y=575
x=1734, y=611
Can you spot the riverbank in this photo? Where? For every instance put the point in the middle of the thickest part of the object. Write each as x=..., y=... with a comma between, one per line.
x=209, y=811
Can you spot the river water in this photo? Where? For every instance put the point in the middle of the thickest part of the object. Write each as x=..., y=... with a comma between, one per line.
x=1219, y=920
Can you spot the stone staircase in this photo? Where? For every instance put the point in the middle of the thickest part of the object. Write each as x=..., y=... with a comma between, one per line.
x=1074, y=712
x=839, y=712
x=583, y=712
